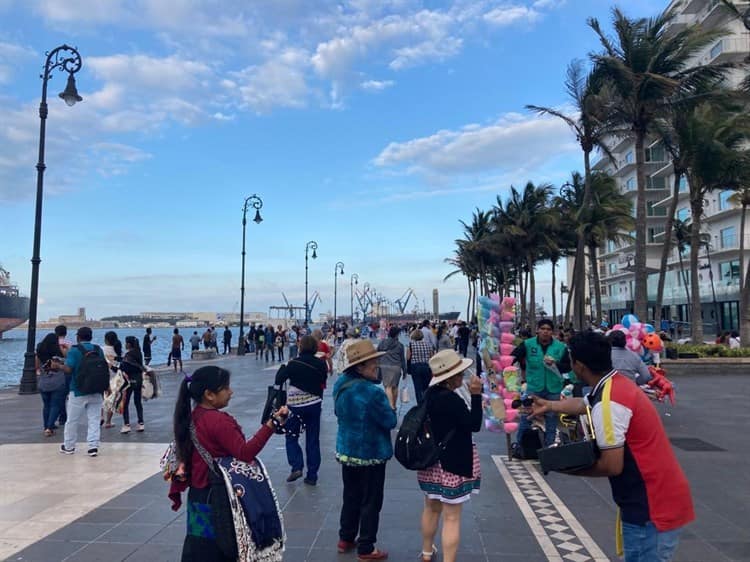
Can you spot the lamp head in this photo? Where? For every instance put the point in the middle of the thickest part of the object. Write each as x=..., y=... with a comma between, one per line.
x=70, y=94
x=258, y=219
x=314, y=256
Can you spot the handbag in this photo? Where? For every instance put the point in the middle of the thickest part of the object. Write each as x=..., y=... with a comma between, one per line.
x=147, y=388
x=221, y=509
x=50, y=381
x=405, y=394
x=248, y=526
x=275, y=397
x=571, y=457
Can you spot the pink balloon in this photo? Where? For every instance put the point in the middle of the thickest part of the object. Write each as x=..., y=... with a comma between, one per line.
x=506, y=360
x=619, y=327
x=508, y=402
x=511, y=415
x=509, y=395
x=506, y=349
x=507, y=316
x=509, y=301
x=510, y=427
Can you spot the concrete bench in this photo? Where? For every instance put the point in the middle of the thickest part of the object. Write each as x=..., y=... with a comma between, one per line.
x=203, y=354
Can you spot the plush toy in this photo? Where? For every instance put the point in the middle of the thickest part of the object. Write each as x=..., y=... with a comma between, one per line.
x=662, y=386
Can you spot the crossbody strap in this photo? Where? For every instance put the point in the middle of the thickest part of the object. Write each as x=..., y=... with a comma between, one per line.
x=207, y=458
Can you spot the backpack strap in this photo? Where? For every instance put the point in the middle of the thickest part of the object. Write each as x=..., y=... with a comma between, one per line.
x=201, y=450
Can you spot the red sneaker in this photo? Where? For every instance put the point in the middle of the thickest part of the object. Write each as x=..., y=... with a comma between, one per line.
x=345, y=546
x=374, y=555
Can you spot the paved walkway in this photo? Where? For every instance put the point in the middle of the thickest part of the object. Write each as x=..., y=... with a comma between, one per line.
x=114, y=507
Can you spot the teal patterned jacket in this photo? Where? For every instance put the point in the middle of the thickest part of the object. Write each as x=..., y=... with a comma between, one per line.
x=365, y=421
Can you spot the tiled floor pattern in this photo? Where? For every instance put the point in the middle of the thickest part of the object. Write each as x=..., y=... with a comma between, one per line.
x=558, y=532
x=44, y=491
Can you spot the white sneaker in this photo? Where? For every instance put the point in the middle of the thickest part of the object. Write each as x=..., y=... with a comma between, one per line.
x=125, y=428
x=140, y=427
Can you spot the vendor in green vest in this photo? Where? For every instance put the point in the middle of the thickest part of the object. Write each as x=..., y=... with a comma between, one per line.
x=542, y=359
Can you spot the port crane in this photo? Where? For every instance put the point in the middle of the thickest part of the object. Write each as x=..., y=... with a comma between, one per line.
x=403, y=302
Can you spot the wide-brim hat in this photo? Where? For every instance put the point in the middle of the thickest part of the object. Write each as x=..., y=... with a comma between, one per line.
x=360, y=351
x=446, y=363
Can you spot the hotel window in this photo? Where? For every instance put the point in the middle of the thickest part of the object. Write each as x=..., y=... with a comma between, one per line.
x=729, y=270
x=728, y=237
x=724, y=203
x=717, y=49
x=655, y=235
x=683, y=184
x=653, y=211
x=655, y=154
x=630, y=185
x=655, y=183
x=629, y=157
x=612, y=268
x=683, y=214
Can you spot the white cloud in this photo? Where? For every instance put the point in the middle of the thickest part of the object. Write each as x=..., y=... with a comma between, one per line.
x=512, y=141
x=376, y=85
x=279, y=82
x=509, y=15
x=12, y=56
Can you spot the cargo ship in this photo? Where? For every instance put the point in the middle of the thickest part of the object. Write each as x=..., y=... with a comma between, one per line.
x=14, y=309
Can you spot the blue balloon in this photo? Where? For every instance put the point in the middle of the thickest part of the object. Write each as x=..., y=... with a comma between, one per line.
x=649, y=328
x=628, y=319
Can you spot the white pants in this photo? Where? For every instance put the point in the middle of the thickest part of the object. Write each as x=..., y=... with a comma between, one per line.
x=77, y=405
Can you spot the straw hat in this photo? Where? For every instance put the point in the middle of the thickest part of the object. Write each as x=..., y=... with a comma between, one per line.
x=446, y=363
x=360, y=351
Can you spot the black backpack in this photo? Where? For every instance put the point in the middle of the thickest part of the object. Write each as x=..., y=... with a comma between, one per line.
x=93, y=371
x=416, y=448
x=531, y=441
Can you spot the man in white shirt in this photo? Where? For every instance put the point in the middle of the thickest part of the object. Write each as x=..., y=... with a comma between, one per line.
x=429, y=336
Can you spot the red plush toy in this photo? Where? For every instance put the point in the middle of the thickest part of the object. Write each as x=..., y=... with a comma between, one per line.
x=661, y=384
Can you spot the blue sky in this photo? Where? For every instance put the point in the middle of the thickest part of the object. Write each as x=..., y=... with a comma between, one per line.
x=369, y=126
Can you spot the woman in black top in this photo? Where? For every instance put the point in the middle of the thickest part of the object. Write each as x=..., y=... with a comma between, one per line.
x=132, y=366
x=450, y=482
x=52, y=385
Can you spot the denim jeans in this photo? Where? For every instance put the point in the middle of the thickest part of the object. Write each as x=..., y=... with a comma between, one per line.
x=53, y=402
x=646, y=544
x=310, y=416
x=363, y=499
x=91, y=405
x=550, y=419
x=292, y=351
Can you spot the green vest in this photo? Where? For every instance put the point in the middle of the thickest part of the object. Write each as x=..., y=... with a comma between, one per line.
x=538, y=376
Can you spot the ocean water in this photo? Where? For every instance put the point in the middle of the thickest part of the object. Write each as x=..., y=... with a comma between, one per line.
x=13, y=347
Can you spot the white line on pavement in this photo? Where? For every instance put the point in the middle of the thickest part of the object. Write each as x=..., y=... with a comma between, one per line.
x=559, y=534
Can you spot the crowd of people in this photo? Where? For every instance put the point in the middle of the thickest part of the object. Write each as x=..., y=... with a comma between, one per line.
x=648, y=484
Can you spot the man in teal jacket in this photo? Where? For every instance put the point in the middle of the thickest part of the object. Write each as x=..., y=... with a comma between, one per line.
x=542, y=360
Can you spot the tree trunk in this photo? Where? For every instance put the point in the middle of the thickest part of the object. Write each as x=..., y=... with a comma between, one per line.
x=668, y=226
x=571, y=296
x=597, y=285
x=641, y=274
x=684, y=279
x=468, y=302
x=696, y=208
x=532, y=292
x=744, y=279
x=554, y=301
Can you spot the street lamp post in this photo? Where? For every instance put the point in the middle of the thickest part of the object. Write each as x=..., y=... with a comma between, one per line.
x=66, y=59
x=353, y=280
x=314, y=245
x=338, y=269
x=256, y=203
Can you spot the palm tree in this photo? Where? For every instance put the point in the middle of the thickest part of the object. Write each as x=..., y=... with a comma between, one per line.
x=525, y=219
x=608, y=218
x=681, y=237
x=590, y=127
x=741, y=198
x=569, y=204
x=646, y=66
x=713, y=140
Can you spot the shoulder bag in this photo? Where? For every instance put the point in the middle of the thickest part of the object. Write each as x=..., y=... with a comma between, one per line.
x=571, y=457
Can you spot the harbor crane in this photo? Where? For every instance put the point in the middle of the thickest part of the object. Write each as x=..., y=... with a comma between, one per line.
x=403, y=302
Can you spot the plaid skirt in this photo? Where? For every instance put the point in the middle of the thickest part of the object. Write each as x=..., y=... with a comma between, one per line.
x=439, y=484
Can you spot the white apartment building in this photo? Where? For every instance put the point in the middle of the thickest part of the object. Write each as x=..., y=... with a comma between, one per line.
x=719, y=265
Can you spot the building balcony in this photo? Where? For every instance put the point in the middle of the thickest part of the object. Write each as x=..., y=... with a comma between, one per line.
x=693, y=6
x=728, y=49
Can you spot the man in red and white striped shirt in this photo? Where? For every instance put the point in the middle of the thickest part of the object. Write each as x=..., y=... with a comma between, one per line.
x=648, y=485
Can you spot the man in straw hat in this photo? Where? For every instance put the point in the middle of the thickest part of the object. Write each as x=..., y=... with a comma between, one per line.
x=363, y=446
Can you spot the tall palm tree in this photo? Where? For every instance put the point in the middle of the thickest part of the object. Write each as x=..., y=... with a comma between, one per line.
x=741, y=198
x=647, y=65
x=681, y=237
x=608, y=218
x=525, y=218
x=714, y=140
x=569, y=204
x=590, y=126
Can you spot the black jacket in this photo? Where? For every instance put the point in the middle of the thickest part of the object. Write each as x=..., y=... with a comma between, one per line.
x=447, y=411
x=306, y=372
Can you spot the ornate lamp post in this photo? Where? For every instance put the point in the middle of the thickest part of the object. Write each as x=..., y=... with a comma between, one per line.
x=65, y=59
x=353, y=280
x=312, y=244
x=338, y=269
x=256, y=203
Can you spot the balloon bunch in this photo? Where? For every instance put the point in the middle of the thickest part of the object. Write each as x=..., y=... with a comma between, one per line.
x=501, y=381
x=640, y=338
